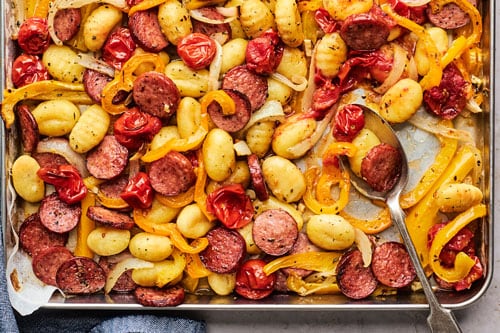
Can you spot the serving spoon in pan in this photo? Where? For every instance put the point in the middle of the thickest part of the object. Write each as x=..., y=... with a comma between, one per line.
x=440, y=320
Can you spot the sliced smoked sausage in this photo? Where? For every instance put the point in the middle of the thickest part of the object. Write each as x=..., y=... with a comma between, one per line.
x=146, y=31
x=94, y=83
x=233, y=122
x=364, y=32
x=58, y=216
x=110, y=218
x=67, y=23
x=160, y=297
x=29, y=128
x=242, y=79
x=450, y=16
x=392, y=266
x=47, y=262
x=172, y=174
x=80, y=275
x=108, y=159
x=225, y=251
x=220, y=32
x=275, y=232
x=34, y=236
x=258, y=183
x=355, y=281
x=381, y=167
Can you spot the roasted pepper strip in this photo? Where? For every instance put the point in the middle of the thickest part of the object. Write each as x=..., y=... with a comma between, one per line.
x=84, y=228
x=315, y=261
x=423, y=215
x=442, y=160
x=222, y=98
x=144, y=5
x=114, y=203
x=463, y=263
x=378, y=224
x=303, y=288
x=195, y=268
x=200, y=196
x=162, y=273
x=32, y=90
x=124, y=80
x=42, y=8
x=177, y=201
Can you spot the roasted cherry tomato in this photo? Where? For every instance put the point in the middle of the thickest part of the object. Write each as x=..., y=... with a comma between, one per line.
x=264, y=53
x=231, y=206
x=252, y=282
x=138, y=193
x=27, y=69
x=325, y=21
x=118, y=48
x=135, y=127
x=67, y=181
x=197, y=50
x=414, y=13
x=348, y=121
x=324, y=97
x=462, y=241
x=34, y=37
x=449, y=98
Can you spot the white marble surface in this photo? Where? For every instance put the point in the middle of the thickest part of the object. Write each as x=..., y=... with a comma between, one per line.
x=481, y=317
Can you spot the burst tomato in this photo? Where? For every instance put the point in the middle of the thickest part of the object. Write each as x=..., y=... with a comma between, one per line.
x=135, y=127
x=197, y=50
x=252, y=282
x=27, y=69
x=138, y=193
x=231, y=206
x=118, y=48
x=264, y=53
x=34, y=37
x=348, y=122
x=67, y=181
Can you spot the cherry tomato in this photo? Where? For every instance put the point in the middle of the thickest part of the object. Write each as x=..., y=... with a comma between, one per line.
x=475, y=273
x=118, y=48
x=231, y=206
x=324, y=97
x=348, y=121
x=34, y=37
x=197, y=50
x=462, y=241
x=414, y=13
x=252, y=282
x=264, y=53
x=67, y=181
x=138, y=193
x=449, y=98
x=325, y=21
x=135, y=127
x=27, y=69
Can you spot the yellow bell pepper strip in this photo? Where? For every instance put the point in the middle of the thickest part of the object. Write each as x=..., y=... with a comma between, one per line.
x=314, y=261
x=195, y=268
x=144, y=5
x=170, y=230
x=113, y=203
x=303, y=288
x=42, y=8
x=423, y=215
x=189, y=283
x=435, y=73
x=92, y=183
x=84, y=228
x=162, y=273
x=370, y=227
x=200, y=196
x=124, y=80
x=455, y=51
x=463, y=263
x=220, y=97
x=442, y=160
x=177, y=201
x=30, y=91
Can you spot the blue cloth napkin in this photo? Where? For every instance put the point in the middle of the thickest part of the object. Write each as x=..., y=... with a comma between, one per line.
x=48, y=321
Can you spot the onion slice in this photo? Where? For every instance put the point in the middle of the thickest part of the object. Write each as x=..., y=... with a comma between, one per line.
x=241, y=148
x=61, y=147
x=228, y=11
x=297, y=83
x=364, y=245
x=433, y=125
x=62, y=4
x=198, y=16
x=215, y=68
x=398, y=66
x=121, y=267
x=88, y=61
x=270, y=111
x=415, y=3
x=311, y=84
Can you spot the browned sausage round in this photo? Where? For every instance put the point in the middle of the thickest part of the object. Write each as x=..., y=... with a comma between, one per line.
x=252, y=85
x=49, y=160
x=381, y=167
x=233, y=122
x=110, y=218
x=80, y=275
x=108, y=159
x=113, y=188
x=225, y=251
x=145, y=30
x=67, y=23
x=124, y=282
x=220, y=32
x=451, y=16
x=29, y=128
x=156, y=94
x=172, y=174
x=47, y=262
x=258, y=183
x=275, y=231
x=392, y=266
x=159, y=297
x=34, y=236
x=94, y=83
x=364, y=32
x=354, y=280
x=58, y=216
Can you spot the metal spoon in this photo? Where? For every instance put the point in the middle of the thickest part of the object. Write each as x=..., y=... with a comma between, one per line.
x=439, y=319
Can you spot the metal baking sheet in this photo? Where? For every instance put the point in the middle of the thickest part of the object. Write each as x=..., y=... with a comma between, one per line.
x=401, y=301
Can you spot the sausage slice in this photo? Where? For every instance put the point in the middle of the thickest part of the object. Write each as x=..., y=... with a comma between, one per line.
x=275, y=232
x=392, y=266
x=355, y=281
x=80, y=275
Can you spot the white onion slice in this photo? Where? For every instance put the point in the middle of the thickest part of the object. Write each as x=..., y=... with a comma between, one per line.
x=432, y=125
x=215, y=68
x=61, y=147
x=198, y=16
x=228, y=11
x=415, y=3
x=473, y=106
x=270, y=111
x=398, y=66
x=121, y=267
x=88, y=61
x=297, y=83
x=364, y=245
x=311, y=84
x=241, y=148
x=62, y=4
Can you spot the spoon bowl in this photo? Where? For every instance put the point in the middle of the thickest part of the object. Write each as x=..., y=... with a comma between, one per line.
x=440, y=319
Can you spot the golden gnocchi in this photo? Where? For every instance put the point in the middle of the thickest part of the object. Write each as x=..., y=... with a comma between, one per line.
x=56, y=117
x=90, y=129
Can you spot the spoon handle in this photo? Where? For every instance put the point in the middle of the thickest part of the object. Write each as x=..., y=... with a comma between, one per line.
x=440, y=320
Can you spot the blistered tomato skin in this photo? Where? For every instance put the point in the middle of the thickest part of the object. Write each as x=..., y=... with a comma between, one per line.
x=134, y=127
x=348, y=122
x=34, y=36
x=252, y=282
x=27, y=69
x=197, y=50
x=138, y=193
x=67, y=181
x=118, y=48
x=231, y=206
x=264, y=53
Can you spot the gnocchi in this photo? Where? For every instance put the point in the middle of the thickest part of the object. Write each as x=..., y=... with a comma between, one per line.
x=56, y=117
x=401, y=101
x=222, y=284
x=218, y=154
x=62, y=64
x=457, y=197
x=233, y=54
x=255, y=18
x=260, y=136
x=330, y=232
x=192, y=223
x=99, y=24
x=289, y=22
x=106, y=241
x=284, y=178
x=150, y=247
x=90, y=129
x=192, y=83
x=290, y=133
x=364, y=141
x=331, y=53
x=188, y=117
x=25, y=180
x=174, y=21
x=341, y=9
